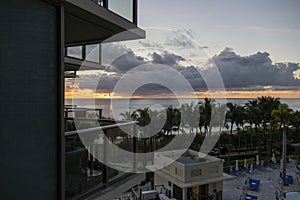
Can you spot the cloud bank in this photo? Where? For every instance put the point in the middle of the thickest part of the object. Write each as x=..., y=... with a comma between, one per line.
x=241, y=73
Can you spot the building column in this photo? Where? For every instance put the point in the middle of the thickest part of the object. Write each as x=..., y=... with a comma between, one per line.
x=184, y=193
x=31, y=100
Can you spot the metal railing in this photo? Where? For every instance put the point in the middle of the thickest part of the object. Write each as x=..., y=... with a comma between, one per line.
x=100, y=129
x=84, y=173
x=124, y=8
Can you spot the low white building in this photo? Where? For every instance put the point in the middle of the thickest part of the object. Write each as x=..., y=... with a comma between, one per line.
x=189, y=175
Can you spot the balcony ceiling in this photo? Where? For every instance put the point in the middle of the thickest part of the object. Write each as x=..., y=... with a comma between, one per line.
x=88, y=23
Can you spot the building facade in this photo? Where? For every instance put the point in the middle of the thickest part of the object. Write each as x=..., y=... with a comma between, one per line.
x=192, y=175
x=35, y=37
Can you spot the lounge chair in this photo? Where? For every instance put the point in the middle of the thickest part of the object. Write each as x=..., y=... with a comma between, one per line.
x=273, y=165
x=288, y=178
x=236, y=172
x=248, y=197
x=253, y=184
x=246, y=169
x=260, y=167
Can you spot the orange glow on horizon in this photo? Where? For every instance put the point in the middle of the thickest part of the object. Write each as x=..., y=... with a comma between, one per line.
x=89, y=94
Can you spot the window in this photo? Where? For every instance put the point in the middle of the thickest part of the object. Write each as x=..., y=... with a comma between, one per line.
x=75, y=52
x=123, y=8
x=92, y=53
x=213, y=170
x=196, y=172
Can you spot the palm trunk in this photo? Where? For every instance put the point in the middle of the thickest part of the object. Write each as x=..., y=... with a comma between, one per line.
x=258, y=140
x=239, y=144
x=284, y=157
x=228, y=150
x=145, y=145
x=251, y=138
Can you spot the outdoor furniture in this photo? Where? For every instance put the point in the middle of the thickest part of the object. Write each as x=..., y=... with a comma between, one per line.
x=246, y=169
x=246, y=196
x=235, y=172
x=274, y=165
x=260, y=167
x=250, y=197
x=288, y=178
x=253, y=184
x=76, y=162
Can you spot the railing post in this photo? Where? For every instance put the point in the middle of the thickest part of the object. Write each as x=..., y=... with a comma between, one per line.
x=105, y=4
x=83, y=52
x=135, y=11
x=134, y=147
x=105, y=157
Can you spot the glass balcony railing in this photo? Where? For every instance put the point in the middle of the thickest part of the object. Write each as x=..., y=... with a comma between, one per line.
x=84, y=173
x=125, y=8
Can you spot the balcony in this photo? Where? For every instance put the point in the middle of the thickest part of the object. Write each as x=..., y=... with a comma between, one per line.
x=124, y=8
x=87, y=177
x=93, y=21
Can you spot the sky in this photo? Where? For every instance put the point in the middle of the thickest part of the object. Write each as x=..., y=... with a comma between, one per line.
x=246, y=26
x=255, y=46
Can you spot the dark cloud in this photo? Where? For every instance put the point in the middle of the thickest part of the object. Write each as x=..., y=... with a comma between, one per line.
x=126, y=62
x=188, y=32
x=254, y=70
x=166, y=58
x=150, y=44
x=179, y=40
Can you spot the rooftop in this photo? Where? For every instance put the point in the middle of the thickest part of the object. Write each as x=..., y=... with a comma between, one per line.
x=186, y=160
x=186, y=157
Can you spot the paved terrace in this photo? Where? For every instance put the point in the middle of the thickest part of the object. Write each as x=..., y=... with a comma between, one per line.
x=269, y=178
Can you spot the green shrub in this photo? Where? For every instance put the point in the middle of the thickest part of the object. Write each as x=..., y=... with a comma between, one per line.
x=293, y=157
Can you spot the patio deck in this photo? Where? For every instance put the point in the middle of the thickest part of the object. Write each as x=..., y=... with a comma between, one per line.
x=269, y=178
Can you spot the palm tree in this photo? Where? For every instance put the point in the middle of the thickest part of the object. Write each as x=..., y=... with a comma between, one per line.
x=295, y=122
x=253, y=117
x=190, y=116
x=266, y=105
x=282, y=116
x=232, y=115
x=205, y=109
x=184, y=117
x=173, y=120
x=240, y=121
x=143, y=117
x=127, y=115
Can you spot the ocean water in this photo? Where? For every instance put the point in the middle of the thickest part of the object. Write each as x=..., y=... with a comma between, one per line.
x=114, y=107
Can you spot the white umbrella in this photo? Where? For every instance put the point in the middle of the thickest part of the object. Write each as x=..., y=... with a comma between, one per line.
x=236, y=165
x=262, y=163
x=230, y=168
x=251, y=168
x=245, y=163
x=273, y=158
x=257, y=159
